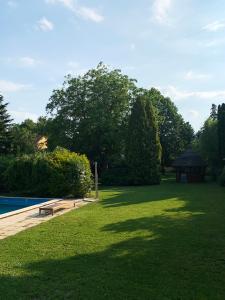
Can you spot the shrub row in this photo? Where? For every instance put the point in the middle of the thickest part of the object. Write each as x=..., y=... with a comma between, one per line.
x=56, y=174
x=222, y=177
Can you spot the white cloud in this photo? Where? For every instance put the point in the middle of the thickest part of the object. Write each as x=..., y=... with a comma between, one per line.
x=191, y=75
x=45, y=25
x=10, y=87
x=84, y=12
x=160, y=10
x=19, y=116
x=214, y=26
x=12, y=4
x=27, y=61
x=176, y=94
x=194, y=113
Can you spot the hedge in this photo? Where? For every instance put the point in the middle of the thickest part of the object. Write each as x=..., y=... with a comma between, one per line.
x=222, y=178
x=5, y=161
x=56, y=174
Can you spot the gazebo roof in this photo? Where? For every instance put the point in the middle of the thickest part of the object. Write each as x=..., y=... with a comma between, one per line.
x=189, y=159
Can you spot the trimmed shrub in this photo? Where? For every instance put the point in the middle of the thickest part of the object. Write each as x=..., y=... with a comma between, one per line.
x=59, y=173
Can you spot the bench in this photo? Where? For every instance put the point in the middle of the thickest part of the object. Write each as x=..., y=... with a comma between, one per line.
x=51, y=208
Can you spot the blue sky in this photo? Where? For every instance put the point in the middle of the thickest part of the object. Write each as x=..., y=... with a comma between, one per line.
x=177, y=46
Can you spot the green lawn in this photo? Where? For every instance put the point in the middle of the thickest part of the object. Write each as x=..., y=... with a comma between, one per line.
x=159, y=242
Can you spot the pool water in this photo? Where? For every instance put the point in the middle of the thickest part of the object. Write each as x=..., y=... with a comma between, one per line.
x=8, y=204
x=4, y=208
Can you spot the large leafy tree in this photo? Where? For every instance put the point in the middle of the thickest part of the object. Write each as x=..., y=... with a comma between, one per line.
x=175, y=134
x=91, y=112
x=5, y=124
x=143, y=145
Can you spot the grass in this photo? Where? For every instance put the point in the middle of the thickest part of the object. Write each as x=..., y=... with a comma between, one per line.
x=159, y=242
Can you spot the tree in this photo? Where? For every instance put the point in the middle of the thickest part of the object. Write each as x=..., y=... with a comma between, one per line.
x=24, y=137
x=5, y=124
x=175, y=134
x=221, y=132
x=143, y=146
x=206, y=143
x=214, y=111
x=91, y=113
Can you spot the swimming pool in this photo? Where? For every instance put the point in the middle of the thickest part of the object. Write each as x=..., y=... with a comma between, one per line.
x=8, y=204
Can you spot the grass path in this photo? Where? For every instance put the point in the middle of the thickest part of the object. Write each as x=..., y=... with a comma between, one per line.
x=159, y=242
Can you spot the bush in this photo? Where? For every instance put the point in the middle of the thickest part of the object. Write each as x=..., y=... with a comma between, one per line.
x=59, y=173
x=222, y=178
x=116, y=175
x=4, y=164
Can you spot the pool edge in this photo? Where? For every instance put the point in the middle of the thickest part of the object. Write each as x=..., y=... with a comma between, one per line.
x=18, y=211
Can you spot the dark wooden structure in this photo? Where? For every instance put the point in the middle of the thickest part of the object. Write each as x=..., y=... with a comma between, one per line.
x=190, y=167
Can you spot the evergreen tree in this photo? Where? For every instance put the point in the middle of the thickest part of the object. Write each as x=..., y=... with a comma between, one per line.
x=5, y=123
x=175, y=134
x=213, y=112
x=221, y=132
x=143, y=145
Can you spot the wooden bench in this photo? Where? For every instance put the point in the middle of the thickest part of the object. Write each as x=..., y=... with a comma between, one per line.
x=51, y=208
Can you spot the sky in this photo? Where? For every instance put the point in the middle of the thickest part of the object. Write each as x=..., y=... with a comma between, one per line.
x=177, y=46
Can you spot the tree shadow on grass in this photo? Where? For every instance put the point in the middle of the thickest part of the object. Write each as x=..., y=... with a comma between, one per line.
x=125, y=196
x=176, y=255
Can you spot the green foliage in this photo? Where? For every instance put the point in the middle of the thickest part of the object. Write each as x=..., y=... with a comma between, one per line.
x=175, y=134
x=5, y=162
x=222, y=178
x=221, y=133
x=143, y=145
x=58, y=173
x=23, y=138
x=90, y=113
x=206, y=143
x=117, y=174
x=24, y=135
x=214, y=112
x=5, y=123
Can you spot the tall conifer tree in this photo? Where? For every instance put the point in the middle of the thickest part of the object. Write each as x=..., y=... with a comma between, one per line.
x=143, y=145
x=221, y=132
x=5, y=123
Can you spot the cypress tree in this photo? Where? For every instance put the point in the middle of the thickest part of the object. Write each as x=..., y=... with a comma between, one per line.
x=143, y=145
x=221, y=132
x=5, y=123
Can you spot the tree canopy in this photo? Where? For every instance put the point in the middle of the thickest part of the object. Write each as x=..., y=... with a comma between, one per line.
x=91, y=112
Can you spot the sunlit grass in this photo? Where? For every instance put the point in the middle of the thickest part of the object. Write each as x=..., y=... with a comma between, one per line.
x=157, y=242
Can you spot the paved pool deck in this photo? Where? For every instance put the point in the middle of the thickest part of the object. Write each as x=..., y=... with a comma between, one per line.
x=19, y=222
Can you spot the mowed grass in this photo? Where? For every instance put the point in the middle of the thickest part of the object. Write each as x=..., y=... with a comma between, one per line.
x=157, y=242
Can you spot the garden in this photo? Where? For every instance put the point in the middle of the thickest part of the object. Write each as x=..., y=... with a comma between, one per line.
x=148, y=237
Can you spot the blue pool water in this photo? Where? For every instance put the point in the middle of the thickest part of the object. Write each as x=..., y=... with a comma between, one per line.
x=11, y=204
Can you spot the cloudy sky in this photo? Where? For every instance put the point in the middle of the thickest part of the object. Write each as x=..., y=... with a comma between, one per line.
x=177, y=46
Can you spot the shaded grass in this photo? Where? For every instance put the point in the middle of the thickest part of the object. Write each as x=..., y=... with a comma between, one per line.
x=159, y=242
